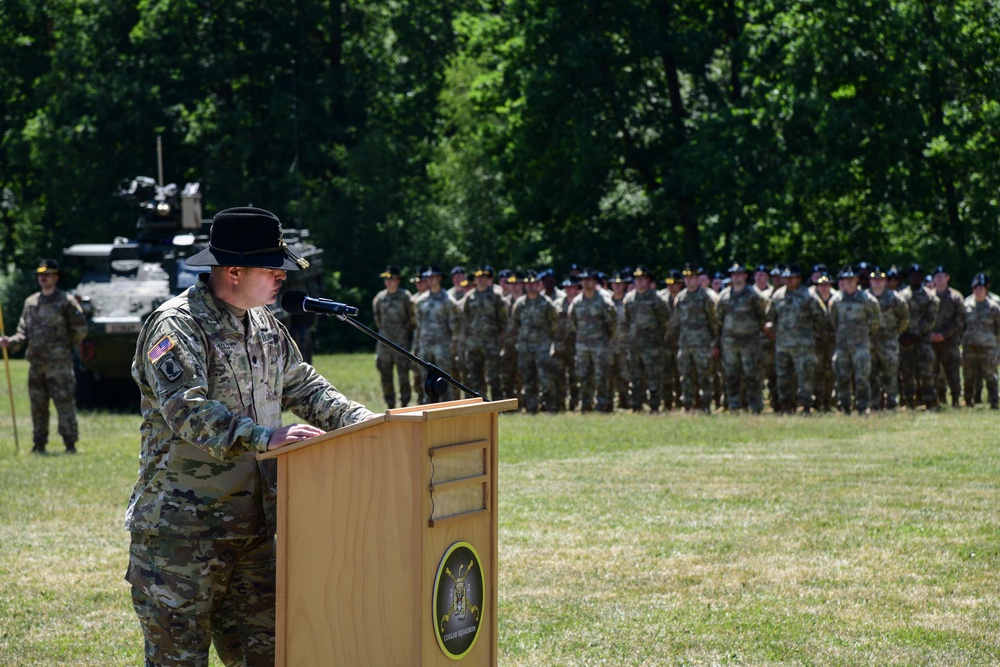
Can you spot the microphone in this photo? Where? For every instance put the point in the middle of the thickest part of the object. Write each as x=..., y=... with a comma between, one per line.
x=297, y=302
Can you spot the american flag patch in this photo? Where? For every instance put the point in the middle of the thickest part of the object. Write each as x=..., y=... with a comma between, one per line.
x=160, y=349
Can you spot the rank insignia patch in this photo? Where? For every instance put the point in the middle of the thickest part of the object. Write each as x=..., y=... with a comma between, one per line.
x=157, y=351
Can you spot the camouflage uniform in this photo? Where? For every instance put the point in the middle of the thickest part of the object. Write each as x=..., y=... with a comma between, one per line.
x=670, y=378
x=916, y=356
x=767, y=367
x=742, y=315
x=564, y=356
x=824, y=380
x=594, y=321
x=620, y=374
x=437, y=317
x=647, y=317
x=798, y=318
x=979, y=349
x=534, y=325
x=950, y=323
x=484, y=321
x=395, y=320
x=203, y=511
x=696, y=322
x=855, y=319
x=885, y=349
x=51, y=326
x=509, y=363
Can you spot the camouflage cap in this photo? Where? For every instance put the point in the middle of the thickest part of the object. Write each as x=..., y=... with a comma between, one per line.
x=247, y=236
x=390, y=272
x=980, y=280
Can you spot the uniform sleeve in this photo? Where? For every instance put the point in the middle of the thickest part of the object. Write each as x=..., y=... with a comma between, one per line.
x=956, y=326
x=874, y=316
x=376, y=314
x=712, y=312
x=20, y=337
x=170, y=364
x=552, y=316
x=930, y=315
x=77, y=320
x=902, y=316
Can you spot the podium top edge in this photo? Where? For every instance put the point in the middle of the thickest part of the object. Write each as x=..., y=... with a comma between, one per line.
x=288, y=449
x=449, y=409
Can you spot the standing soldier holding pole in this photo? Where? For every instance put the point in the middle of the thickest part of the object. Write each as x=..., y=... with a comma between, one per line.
x=52, y=325
x=394, y=319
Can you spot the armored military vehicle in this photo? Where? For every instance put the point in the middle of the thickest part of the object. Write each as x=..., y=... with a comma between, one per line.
x=122, y=282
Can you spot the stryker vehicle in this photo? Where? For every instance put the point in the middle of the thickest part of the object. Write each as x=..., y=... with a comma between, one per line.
x=122, y=282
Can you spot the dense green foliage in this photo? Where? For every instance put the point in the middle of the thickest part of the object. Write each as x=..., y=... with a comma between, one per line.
x=518, y=132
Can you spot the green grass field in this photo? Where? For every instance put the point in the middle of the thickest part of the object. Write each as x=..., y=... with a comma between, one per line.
x=624, y=539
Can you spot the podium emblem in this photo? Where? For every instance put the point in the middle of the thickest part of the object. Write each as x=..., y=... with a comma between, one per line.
x=459, y=595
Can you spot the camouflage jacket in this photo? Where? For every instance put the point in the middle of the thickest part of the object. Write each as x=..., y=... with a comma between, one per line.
x=824, y=337
x=534, y=321
x=394, y=316
x=51, y=326
x=797, y=316
x=923, y=307
x=950, y=321
x=484, y=318
x=982, y=322
x=742, y=314
x=594, y=319
x=695, y=319
x=621, y=340
x=647, y=316
x=437, y=320
x=895, y=318
x=212, y=391
x=670, y=336
x=855, y=318
x=565, y=336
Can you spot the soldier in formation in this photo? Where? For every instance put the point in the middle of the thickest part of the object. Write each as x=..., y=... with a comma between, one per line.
x=622, y=337
x=394, y=319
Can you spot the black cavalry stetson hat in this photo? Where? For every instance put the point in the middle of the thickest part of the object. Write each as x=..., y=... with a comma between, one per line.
x=247, y=236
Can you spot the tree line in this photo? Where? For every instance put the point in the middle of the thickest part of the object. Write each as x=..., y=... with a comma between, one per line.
x=519, y=132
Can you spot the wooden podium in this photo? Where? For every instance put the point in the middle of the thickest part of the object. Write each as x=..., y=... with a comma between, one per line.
x=387, y=540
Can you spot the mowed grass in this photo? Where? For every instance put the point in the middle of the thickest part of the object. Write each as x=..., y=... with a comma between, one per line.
x=624, y=539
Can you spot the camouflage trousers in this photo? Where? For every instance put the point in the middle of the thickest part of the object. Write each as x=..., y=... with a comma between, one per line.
x=564, y=368
x=189, y=594
x=854, y=370
x=592, y=365
x=670, y=379
x=885, y=374
x=795, y=368
x=916, y=374
x=979, y=364
x=386, y=359
x=482, y=369
x=825, y=379
x=947, y=371
x=647, y=367
x=538, y=377
x=56, y=383
x=697, y=376
x=440, y=356
x=620, y=377
x=741, y=370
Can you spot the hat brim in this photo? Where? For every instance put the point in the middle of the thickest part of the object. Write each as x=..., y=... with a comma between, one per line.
x=267, y=260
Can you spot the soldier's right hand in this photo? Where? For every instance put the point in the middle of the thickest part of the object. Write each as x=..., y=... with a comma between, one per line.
x=292, y=433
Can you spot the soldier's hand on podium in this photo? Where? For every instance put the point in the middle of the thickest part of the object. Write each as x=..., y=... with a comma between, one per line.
x=292, y=433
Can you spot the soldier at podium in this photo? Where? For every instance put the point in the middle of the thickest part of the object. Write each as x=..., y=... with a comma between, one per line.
x=215, y=369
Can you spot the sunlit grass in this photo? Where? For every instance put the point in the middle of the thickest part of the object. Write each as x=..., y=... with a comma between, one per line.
x=624, y=540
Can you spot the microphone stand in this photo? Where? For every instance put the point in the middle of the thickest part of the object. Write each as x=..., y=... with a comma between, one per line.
x=437, y=380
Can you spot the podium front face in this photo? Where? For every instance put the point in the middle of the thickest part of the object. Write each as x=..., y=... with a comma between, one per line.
x=387, y=541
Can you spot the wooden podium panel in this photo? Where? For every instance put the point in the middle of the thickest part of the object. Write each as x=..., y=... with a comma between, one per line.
x=365, y=516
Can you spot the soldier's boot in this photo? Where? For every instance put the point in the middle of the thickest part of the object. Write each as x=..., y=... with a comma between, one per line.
x=70, y=446
x=39, y=448
x=954, y=401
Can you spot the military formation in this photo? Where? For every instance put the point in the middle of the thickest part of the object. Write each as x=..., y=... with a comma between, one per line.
x=859, y=340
